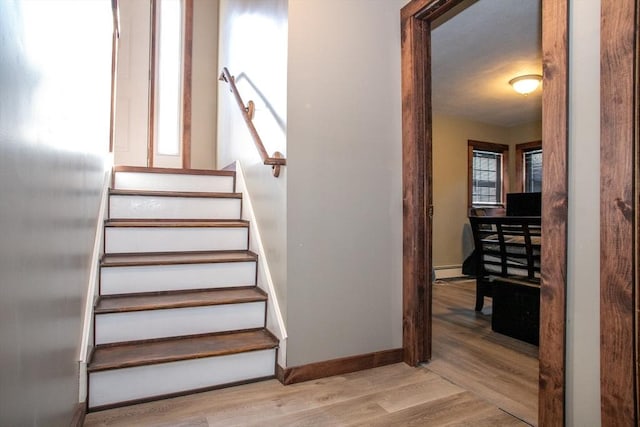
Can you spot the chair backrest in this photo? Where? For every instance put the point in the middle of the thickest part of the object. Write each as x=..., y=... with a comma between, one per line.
x=507, y=246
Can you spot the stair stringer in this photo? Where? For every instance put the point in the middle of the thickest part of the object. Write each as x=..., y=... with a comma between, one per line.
x=275, y=320
x=86, y=339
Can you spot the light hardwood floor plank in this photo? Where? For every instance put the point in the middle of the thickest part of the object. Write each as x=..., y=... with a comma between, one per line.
x=475, y=378
x=467, y=352
x=458, y=409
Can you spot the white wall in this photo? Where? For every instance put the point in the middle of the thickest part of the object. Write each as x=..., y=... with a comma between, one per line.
x=344, y=193
x=132, y=96
x=583, y=272
x=253, y=45
x=54, y=134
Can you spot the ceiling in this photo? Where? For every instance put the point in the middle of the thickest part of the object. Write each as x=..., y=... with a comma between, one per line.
x=476, y=52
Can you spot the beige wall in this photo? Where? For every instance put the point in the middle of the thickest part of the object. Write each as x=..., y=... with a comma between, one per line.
x=132, y=79
x=204, y=96
x=450, y=182
x=54, y=136
x=344, y=201
x=451, y=238
x=583, y=272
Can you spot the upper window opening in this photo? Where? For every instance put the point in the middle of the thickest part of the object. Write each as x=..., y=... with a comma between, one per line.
x=529, y=167
x=169, y=70
x=533, y=171
x=487, y=173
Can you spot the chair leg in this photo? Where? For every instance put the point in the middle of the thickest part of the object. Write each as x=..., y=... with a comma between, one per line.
x=479, y=295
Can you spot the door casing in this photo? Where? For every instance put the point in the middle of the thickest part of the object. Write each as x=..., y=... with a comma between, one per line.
x=619, y=210
x=416, y=18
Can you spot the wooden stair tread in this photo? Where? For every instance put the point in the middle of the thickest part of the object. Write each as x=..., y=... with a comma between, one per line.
x=150, y=193
x=142, y=169
x=183, y=348
x=178, y=299
x=121, y=260
x=176, y=223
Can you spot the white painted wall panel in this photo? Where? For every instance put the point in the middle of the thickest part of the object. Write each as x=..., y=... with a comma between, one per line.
x=153, y=380
x=154, y=207
x=149, y=324
x=123, y=280
x=173, y=182
x=166, y=239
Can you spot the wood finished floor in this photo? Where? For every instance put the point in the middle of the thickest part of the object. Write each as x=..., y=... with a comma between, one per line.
x=468, y=353
x=475, y=377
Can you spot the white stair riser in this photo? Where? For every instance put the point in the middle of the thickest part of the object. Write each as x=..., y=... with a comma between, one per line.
x=157, y=278
x=174, y=239
x=173, y=182
x=122, y=385
x=150, y=324
x=166, y=207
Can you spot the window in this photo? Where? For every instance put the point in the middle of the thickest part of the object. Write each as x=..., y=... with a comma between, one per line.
x=529, y=167
x=169, y=77
x=170, y=95
x=533, y=171
x=487, y=173
x=487, y=180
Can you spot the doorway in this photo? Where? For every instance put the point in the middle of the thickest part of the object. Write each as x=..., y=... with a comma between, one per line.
x=417, y=18
x=478, y=123
x=154, y=79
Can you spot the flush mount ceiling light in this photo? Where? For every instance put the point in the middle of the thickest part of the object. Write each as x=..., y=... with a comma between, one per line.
x=526, y=84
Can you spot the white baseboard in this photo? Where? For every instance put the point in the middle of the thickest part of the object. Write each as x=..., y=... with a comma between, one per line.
x=275, y=320
x=92, y=283
x=140, y=382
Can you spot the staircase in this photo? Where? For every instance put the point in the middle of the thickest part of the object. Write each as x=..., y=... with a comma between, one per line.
x=178, y=308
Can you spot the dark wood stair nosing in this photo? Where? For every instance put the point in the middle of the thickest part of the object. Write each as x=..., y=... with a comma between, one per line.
x=182, y=337
x=175, y=223
x=184, y=291
x=178, y=393
x=259, y=296
x=272, y=345
x=171, y=171
x=183, y=194
x=152, y=258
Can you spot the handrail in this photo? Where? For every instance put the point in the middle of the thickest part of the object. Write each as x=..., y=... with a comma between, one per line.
x=115, y=11
x=275, y=161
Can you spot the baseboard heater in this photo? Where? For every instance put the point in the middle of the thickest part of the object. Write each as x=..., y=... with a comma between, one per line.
x=448, y=272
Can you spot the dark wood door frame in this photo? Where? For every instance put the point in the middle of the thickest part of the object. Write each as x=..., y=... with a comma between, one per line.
x=416, y=18
x=619, y=212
